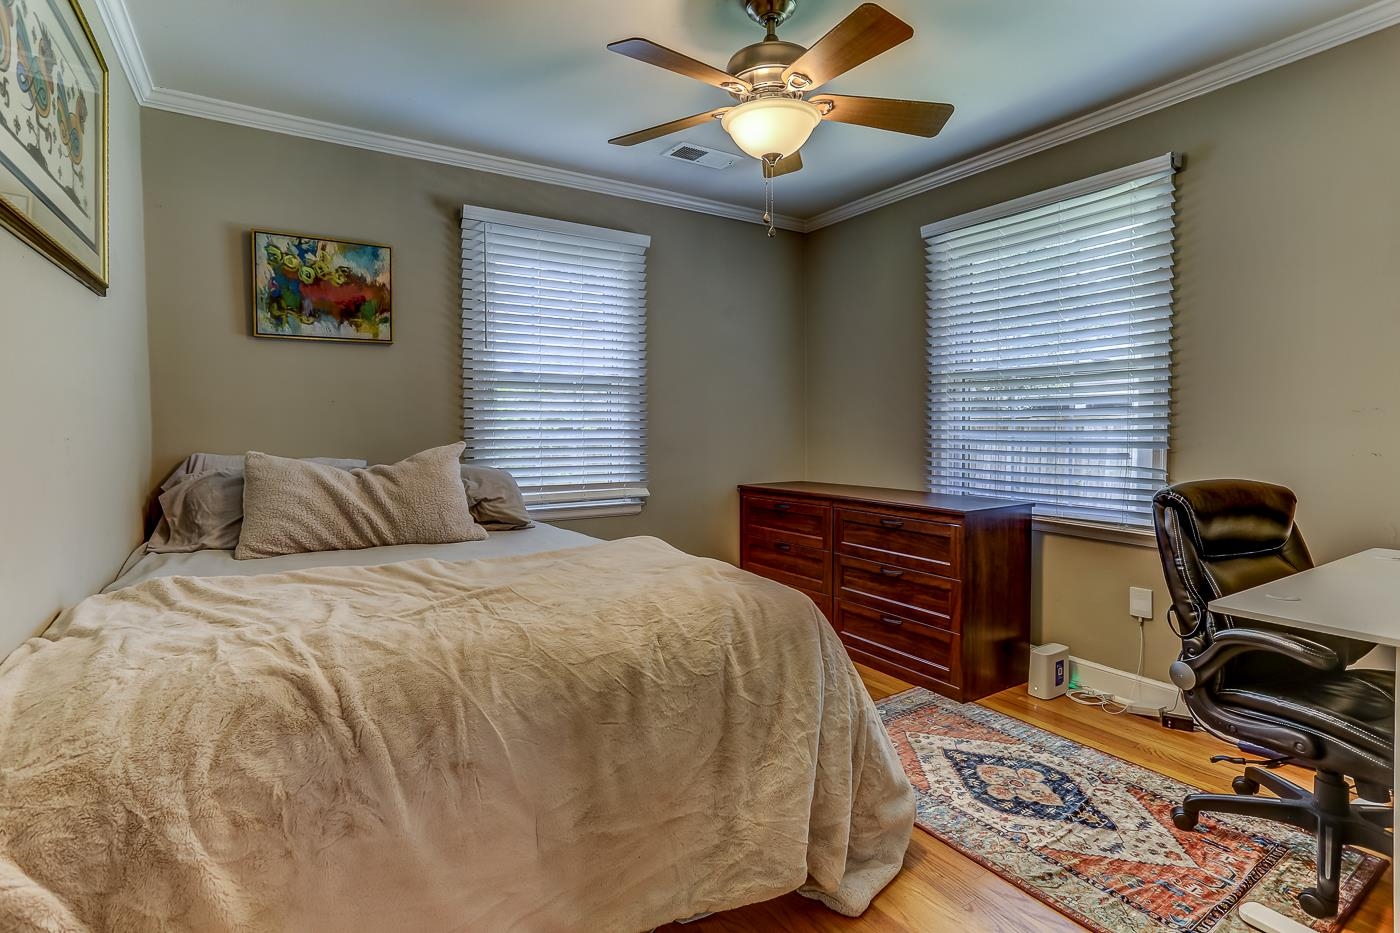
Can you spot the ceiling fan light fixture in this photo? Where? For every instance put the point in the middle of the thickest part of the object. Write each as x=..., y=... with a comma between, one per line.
x=766, y=126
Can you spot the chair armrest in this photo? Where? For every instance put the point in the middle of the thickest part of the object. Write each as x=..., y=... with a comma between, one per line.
x=1230, y=643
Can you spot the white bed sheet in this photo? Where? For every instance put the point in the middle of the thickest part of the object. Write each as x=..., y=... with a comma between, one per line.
x=142, y=566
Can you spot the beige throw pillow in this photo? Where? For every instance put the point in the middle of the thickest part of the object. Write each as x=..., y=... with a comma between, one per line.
x=291, y=506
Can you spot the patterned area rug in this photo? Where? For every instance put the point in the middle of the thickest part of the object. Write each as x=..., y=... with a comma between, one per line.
x=1090, y=834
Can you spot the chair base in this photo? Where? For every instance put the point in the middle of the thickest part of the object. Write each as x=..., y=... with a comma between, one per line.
x=1328, y=813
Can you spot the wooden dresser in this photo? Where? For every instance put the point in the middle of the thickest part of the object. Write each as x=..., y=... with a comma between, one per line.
x=933, y=589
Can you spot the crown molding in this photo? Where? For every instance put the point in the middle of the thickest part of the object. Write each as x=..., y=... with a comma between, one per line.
x=123, y=32
x=287, y=124
x=1363, y=22
x=1320, y=38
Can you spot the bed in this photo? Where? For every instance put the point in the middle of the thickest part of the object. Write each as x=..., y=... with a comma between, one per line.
x=540, y=731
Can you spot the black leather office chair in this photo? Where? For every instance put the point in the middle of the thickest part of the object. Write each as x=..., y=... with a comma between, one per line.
x=1277, y=693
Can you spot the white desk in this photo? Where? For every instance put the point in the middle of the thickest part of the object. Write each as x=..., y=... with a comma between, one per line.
x=1356, y=597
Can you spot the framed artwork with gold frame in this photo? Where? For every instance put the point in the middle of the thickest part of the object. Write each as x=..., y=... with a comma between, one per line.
x=53, y=136
x=315, y=288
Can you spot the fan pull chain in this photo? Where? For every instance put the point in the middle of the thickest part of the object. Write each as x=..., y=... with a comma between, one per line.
x=768, y=206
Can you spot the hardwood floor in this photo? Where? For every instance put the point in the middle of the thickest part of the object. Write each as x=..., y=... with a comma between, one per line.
x=941, y=889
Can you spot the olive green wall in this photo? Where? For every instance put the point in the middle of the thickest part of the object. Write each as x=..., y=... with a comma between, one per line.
x=77, y=414
x=1287, y=322
x=724, y=319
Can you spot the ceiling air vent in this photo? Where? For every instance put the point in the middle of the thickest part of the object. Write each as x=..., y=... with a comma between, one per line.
x=701, y=155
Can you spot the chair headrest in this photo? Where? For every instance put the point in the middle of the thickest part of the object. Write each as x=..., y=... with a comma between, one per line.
x=1232, y=517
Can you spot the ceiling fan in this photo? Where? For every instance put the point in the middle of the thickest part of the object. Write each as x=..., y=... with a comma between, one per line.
x=776, y=82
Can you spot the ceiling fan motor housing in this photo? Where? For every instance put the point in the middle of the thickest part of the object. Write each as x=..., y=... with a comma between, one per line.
x=763, y=63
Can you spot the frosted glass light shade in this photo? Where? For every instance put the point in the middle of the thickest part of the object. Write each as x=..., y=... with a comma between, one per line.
x=771, y=125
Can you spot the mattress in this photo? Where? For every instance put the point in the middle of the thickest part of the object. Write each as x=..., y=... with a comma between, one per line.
x=142, y=566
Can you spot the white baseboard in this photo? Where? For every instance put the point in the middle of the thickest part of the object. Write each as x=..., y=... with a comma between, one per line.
x=1143, y=691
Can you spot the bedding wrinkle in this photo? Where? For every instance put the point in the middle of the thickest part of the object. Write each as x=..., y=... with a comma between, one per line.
x=604, y=738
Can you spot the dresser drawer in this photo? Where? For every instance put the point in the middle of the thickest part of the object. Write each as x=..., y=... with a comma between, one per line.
x=803, y=568
x=781, y=540
x=933, y=546
x=905, y=641
x=898, y=590
x=811, y=521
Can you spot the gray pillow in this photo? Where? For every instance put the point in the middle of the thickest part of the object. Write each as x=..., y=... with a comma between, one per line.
x=203, y=511
x=292, y=506
x=495, y=498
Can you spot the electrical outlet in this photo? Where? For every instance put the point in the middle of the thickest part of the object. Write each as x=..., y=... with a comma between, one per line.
x=1139, y=602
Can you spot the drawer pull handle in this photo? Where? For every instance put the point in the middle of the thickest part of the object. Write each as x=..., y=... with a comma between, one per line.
x=891, y=620
x=891, y=572
x=892, y=522
x=782, y=506
x=783, y=546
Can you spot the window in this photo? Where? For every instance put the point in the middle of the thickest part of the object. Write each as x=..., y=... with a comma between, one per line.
x=1049, y=341
x=554, y=360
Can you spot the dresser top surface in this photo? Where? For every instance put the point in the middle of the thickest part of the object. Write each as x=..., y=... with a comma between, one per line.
x=879, y=495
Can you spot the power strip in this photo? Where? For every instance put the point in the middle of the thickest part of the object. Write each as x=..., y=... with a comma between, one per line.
x=1181, y=722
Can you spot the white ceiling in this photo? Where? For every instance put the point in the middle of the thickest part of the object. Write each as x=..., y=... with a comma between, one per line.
x=533, y=81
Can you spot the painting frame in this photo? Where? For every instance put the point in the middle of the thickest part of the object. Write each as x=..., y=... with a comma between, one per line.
x=93, y=271
x=258, y=295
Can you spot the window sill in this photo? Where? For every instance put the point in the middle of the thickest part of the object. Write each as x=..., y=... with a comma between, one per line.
x=555, y=513
x=1134, y=537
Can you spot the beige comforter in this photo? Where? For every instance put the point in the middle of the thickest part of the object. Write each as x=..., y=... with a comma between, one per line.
x=599, y=739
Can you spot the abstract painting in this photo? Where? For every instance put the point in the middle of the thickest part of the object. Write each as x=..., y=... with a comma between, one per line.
x=319, y=289
x=53, y=135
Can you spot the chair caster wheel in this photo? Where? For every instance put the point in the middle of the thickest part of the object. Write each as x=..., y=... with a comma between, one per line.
x=1245, y=787
x=1316, y=906
x=1181, y=821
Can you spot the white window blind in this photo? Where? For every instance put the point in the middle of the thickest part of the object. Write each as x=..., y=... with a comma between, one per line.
x=554, y=360
x=1049, y=341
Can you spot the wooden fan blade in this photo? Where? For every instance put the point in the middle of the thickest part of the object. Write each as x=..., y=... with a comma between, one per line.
x=792, y=163
x=644, y=50
x=915, y=117
x=666, y=129
x=867, y=32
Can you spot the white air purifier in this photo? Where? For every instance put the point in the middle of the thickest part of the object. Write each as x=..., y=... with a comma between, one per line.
x=1049, y=676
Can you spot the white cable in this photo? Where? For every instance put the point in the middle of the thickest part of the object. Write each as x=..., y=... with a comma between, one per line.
x=1142, y=651
x=1137, y=676
x=1087, y=697
x=1106, y=701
